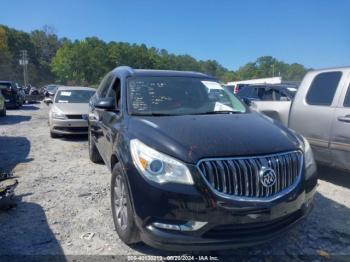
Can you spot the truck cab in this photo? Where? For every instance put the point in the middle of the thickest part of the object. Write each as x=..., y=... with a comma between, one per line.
x=321, y=112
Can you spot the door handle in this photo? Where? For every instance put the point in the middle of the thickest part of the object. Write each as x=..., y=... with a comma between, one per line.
x=344, y=118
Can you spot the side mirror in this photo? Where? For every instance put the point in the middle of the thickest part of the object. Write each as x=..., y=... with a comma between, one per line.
x=106, y=103
x=48, y=100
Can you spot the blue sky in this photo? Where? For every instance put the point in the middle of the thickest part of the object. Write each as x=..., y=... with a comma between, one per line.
x=314, y=33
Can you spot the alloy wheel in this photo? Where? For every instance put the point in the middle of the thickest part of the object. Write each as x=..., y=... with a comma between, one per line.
x=120, y=202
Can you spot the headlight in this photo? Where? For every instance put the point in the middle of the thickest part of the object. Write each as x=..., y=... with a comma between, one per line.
x=309, y=157
x=310, y=164
x=157, y=166
x=58, y=115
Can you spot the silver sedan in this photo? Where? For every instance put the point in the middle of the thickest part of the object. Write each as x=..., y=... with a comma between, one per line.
x=67, y=113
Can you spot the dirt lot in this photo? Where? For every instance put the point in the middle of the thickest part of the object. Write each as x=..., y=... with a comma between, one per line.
x=62, y=197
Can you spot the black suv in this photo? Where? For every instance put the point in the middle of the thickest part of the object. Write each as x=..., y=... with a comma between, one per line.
x=11, y=93
x=192, y=167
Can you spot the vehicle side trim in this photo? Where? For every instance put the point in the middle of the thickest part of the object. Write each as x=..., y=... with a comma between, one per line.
x=318, y=142
x=340, y=146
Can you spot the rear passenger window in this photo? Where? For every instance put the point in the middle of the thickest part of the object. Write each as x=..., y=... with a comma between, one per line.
x=245, y=92
x=265, y=94
x=347, y=98
x=323, y=88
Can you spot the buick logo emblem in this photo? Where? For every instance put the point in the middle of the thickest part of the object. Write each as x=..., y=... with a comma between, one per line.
x=267, y=176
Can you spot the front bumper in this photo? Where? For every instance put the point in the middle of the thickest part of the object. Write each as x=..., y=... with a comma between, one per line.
x=69, y=126
x=229, y=223
x=226, y=236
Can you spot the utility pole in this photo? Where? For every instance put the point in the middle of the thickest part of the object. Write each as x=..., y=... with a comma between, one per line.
x=24, y=62
x=273, y=70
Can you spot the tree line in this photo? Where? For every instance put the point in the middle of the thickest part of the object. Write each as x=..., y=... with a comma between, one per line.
x=85, y=62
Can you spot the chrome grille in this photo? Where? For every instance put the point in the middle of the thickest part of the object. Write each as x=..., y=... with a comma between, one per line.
x=240, y=177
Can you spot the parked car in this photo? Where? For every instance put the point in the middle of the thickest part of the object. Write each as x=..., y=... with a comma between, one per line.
x=68, y=110
x=34, y=95
x=2, y=105
x=10, y=92
x=265, y=95
x=192, y=170
x=320, y=111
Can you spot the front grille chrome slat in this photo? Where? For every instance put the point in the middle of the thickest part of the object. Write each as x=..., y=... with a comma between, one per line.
x=255, y=176
x=222, y=172
x=235, y=180
x=241, y=176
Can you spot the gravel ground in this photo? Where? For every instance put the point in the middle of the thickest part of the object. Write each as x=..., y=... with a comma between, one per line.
x=63, y=203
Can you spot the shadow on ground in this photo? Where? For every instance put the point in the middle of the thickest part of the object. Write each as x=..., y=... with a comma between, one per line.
x=29, y=107
x=25, y=233
x=33, y=102
x=334, y=176
x=13, y=119
x=13, y=151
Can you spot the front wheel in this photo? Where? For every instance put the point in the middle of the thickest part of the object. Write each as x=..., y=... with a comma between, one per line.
x=123, y=215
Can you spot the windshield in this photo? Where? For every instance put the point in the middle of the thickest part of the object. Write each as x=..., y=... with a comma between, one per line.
x=179, y=96
x=74, y=96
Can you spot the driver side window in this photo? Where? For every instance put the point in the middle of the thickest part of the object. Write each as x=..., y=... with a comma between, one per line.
x=105, y=84
x=114, y=92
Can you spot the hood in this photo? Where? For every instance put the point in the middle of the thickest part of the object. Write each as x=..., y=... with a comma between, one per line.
x=72, y=108
x=191, y=138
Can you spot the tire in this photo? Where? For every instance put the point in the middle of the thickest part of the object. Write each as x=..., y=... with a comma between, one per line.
x=123, y=216
x=53, y=135
x=94, y=155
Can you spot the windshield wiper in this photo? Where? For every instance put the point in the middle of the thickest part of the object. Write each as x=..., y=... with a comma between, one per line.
x=199, y=113
x=217, y=112
x=153, y=114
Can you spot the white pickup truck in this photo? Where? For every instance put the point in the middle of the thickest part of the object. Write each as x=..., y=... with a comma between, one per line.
x=320, y=111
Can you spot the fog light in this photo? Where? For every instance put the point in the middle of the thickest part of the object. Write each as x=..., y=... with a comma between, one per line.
x=189, y=226
x=192, y=225
x=166, y=226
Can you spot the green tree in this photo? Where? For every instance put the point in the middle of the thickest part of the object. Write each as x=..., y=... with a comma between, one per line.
x=45, y=43
x=86, y=61
x=5, y=56
x=267, y=66
x=82, y=62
